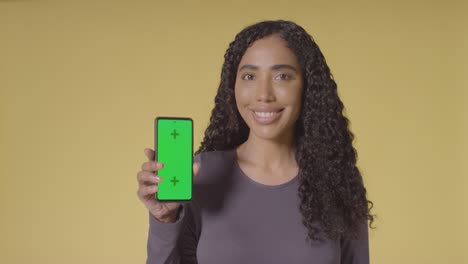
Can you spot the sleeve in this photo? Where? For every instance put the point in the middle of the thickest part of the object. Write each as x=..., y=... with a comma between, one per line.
x=172, y=243
x=356, y=251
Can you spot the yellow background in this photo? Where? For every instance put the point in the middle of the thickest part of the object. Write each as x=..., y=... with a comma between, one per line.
x=82, y=81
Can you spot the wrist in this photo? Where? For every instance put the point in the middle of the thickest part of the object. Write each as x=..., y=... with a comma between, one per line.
x=169, y=218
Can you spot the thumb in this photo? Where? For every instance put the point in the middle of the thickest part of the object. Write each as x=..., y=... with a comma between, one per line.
x=149, y=153
x=196, y=168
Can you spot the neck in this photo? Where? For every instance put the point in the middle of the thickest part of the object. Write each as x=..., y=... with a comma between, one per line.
x=270, y=154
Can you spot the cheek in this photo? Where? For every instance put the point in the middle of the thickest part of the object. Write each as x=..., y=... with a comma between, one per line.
x=294, y=99
x=236, y=96
x=240, y=103
x=298, y=101
x=291, y=95
x=239, y=100
x=242, y=96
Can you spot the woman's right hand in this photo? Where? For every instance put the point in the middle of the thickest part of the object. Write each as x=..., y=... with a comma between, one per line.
x=147, y=187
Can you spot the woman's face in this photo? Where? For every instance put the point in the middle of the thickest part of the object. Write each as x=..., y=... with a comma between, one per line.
x=268, y=88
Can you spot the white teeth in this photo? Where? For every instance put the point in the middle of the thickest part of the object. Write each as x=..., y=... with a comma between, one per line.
x=265, y=114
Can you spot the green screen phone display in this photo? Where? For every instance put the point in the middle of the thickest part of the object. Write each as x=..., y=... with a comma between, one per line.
x=174, y=148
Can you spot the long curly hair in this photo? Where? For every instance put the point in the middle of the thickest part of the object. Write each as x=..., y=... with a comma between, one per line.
x=331, y=189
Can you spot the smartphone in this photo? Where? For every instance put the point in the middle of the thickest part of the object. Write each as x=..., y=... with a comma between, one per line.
x=173, y=144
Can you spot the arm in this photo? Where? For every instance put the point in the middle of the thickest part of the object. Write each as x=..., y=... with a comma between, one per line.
x=173, y=242
x=356, y=251
x=176, y=242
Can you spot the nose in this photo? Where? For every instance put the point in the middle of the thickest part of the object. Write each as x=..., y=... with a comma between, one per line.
x=265, y=91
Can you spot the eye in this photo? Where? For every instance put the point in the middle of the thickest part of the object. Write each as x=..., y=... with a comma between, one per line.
x=248, y=77
x=283, y=76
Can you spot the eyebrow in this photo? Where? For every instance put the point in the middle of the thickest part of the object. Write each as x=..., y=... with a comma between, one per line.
x=274, y=67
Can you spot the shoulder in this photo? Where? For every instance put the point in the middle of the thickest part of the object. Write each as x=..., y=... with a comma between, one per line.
x=213, y=164
x=213, y=157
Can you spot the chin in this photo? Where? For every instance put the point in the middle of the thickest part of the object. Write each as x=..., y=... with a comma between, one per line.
x=268, y=133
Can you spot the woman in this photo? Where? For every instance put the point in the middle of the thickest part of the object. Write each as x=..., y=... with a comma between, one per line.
x=275, y=177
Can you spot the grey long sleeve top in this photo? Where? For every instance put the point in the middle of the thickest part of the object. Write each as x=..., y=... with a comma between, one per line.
x=233, y=219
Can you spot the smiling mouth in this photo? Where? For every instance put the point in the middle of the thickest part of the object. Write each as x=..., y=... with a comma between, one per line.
x=266, y=118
